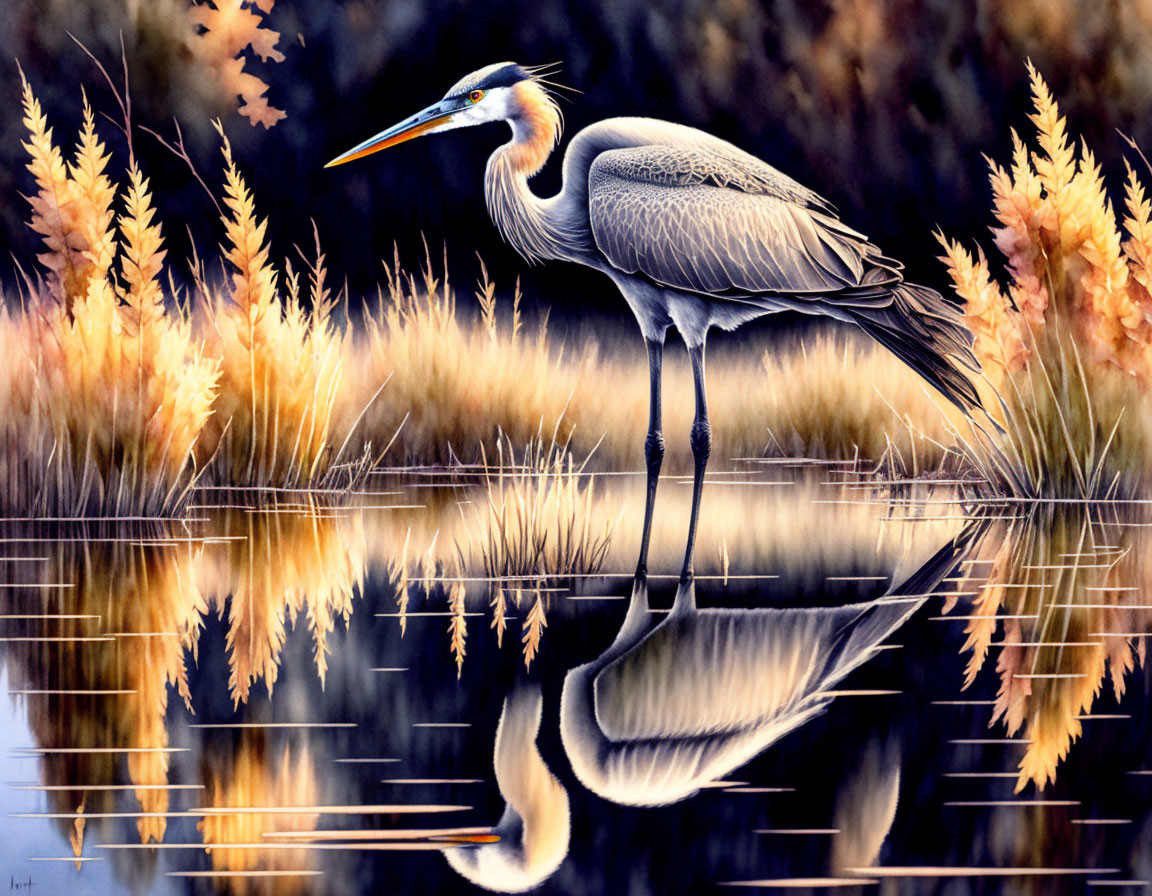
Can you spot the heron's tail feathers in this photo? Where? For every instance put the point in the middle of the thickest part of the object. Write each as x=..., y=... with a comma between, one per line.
x=928, y=334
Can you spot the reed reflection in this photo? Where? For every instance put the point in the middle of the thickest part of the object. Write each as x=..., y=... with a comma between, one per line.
x=673, y=707
x=1068, y=587
x=98, y=697
x=278, y=563
x=251, y=773
x=107, y=627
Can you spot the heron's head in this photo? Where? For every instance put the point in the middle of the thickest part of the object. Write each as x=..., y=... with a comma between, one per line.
x=501, y=92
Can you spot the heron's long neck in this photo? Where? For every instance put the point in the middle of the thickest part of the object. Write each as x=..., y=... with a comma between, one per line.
x=525, y=220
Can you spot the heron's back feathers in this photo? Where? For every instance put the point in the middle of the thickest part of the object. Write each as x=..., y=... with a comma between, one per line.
x=694, y=220
x=694, y=214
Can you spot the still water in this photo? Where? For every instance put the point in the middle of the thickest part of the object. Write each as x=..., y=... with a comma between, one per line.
x=880, y=688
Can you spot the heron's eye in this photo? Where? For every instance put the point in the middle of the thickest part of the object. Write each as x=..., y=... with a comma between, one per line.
x=476, y=95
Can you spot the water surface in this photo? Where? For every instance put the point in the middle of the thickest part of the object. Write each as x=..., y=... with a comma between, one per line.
x=874, y=693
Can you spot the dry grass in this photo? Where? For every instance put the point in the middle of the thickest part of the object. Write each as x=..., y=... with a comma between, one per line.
x=108, y=391
x=463, y=379
x=1067, y=350
x=843, y=396
x=281, y=418
x=459, y=383
x=529, y=518
x=539, y=518
x=114, y=402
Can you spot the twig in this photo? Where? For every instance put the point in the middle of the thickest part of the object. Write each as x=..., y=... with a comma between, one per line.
x=1132, y=143
x=181, y=152
x=123, y=101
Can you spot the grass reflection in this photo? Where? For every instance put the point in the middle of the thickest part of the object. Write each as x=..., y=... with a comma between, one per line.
x=1067, y=589
x=143, y=598
x=253, y=773
x=280, y=562
x=114, y=624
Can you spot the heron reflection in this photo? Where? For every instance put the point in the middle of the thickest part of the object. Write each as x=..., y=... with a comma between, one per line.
x=533, y=832
x=672, y=707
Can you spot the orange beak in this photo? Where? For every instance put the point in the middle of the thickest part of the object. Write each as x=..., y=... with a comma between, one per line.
x=420, y=123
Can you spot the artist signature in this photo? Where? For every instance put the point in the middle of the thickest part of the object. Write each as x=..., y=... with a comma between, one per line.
x=25, y=885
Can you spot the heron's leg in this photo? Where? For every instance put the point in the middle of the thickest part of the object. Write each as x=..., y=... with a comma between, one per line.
x=701, y=447
x=653, y=449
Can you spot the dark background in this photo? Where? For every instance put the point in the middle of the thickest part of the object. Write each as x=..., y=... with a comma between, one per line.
x=884, y=107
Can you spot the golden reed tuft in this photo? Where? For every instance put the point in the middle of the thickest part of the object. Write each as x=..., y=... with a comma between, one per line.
x=111, y=391
x=278, y=412
x=1067, y=350
x=115, y=403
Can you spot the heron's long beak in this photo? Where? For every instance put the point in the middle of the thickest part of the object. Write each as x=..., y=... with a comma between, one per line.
x=420, y=123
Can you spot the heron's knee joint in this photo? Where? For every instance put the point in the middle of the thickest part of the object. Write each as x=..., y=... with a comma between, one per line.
x=701, y=440
x=654, y=449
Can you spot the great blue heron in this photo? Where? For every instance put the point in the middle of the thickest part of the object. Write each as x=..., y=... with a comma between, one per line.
x=695, y=233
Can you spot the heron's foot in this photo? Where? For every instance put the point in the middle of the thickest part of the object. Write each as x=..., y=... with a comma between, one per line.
x=641, y=577
x=685, y=595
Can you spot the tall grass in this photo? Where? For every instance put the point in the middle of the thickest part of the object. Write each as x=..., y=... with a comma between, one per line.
x=463, y=378
x=459, y=381
x=116, y=399
x=278, y=418
x=1067, y=349
x=842, y=396
x=539, y=516
x=108, y=391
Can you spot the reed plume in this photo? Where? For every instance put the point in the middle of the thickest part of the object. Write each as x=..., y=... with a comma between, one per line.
x=1068, y=347
x=72, y=206
x=118, y=391
x=278, y=417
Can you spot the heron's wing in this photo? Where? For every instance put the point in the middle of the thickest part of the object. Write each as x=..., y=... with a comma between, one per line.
x=703, y=221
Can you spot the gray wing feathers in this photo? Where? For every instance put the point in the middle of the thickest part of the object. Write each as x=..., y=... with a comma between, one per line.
x=695, y=220
x=710, y=162
x=699, y=215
